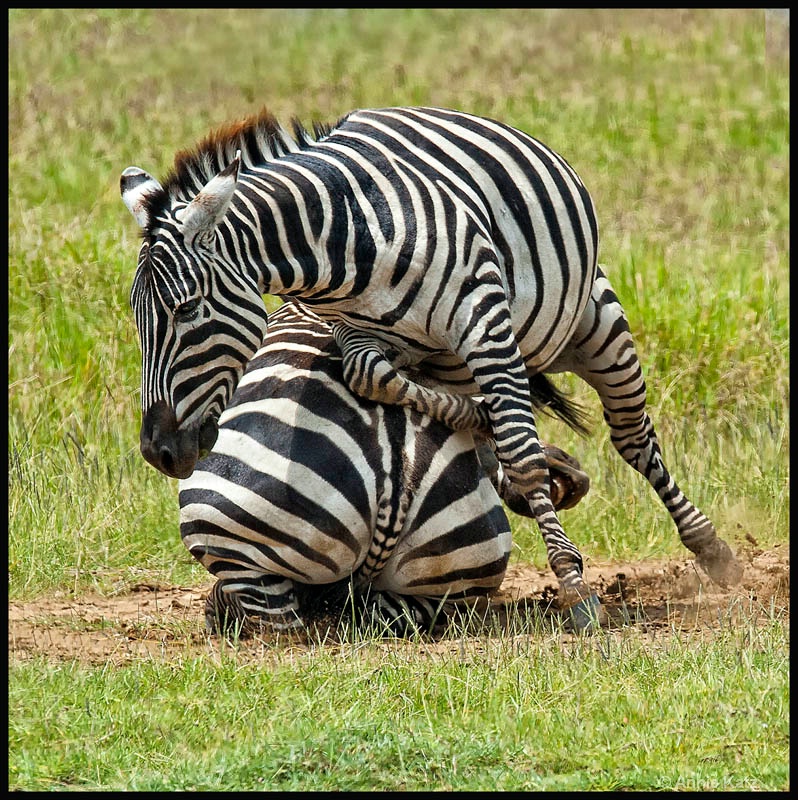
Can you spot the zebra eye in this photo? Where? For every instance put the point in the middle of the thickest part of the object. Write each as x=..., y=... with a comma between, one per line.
x=205, y=241
x=188, y=310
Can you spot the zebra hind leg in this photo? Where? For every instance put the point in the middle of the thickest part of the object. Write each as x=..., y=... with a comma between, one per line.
x=602, y=353
x=245, y=607
x=565, y=484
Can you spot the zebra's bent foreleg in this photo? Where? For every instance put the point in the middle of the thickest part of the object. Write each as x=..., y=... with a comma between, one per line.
x=603, y=354
x=370, y=374
x=245, y=606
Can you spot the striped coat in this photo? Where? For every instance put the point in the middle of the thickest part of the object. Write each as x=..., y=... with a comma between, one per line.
x=309, y=485
x=455, y=258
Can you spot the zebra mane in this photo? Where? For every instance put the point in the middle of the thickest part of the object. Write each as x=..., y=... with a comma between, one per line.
x=259, y=137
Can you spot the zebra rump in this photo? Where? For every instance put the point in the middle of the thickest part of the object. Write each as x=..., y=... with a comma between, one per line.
x=315, y=501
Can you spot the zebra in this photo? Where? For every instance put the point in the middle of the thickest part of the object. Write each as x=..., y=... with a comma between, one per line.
x=314, y=497
x=455, y=258
x=377, y=482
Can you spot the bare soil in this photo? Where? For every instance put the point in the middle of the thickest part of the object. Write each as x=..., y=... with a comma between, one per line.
x=167, y=621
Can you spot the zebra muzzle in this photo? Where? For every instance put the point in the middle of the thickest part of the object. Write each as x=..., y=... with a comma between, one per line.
x=170, y=449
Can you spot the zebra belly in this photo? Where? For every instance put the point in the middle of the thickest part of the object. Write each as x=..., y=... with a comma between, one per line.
x=545, y=339
x=543, y=315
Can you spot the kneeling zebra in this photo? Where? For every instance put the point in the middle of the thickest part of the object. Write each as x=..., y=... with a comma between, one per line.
x=313, y=493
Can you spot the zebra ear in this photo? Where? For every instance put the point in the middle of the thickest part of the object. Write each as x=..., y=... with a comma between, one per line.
x=207, y=209
x=135, y=184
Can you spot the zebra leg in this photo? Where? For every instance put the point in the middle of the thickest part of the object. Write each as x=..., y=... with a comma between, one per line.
x=504, y=382
x=369, y=373
x=246, y=606
x=388, y=613
x=602, y=353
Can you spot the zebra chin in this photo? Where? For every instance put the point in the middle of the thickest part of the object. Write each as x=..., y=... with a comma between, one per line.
x=172, y=450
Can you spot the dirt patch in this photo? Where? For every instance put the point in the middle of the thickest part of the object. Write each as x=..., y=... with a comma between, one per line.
x=167, y=621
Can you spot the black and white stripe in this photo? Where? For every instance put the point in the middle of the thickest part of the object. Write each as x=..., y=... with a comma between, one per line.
x=311, y=492
x=454, y=256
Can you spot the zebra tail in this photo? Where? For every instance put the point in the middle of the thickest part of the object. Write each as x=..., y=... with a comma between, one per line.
x=548, y=398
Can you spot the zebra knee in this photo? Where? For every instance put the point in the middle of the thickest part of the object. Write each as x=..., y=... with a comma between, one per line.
x=244, y=608
x=530, y=476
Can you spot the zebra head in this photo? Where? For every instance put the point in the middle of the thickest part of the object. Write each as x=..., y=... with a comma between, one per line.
x=199, y=320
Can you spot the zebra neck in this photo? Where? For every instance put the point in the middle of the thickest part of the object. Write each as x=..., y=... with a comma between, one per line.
x=292, y=252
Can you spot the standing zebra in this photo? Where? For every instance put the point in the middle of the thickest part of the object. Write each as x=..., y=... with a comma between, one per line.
x=309, y=487
x=454, y=248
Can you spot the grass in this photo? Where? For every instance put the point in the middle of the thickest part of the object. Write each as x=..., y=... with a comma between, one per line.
x=499, y=714
x=678, y=121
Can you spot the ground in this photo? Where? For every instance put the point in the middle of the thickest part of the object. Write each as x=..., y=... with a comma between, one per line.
x=168, y=622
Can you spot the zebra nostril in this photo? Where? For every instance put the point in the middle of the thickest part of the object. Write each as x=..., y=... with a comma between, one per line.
x=167, y=460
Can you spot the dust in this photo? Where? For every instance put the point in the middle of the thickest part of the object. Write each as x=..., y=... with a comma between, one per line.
x=167, y=622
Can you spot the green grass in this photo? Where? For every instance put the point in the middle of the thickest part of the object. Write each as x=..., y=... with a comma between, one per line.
x=678, y=121
x=498, y=714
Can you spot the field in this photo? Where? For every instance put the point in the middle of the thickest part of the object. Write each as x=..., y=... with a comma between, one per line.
x=678, y=122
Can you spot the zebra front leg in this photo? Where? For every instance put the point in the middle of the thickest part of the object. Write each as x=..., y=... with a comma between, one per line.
x=602, y=353
x=370, y=374
x=244, y=607
x=505, y=386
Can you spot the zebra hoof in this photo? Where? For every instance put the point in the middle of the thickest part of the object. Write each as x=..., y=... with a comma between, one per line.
x=588, y=615
x=718, y=561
